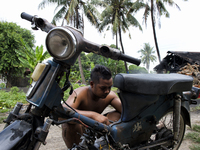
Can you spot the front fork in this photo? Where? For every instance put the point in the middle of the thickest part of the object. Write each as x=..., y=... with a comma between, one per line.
x=43, y=132
x=176, y=115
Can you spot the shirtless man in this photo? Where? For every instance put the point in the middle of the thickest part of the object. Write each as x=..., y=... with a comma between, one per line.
x=91, y=101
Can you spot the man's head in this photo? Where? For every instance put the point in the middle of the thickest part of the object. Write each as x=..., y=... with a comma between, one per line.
x=100, y=71
x=101, y=81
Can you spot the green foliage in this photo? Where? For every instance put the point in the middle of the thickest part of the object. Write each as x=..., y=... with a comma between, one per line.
x=114, y=65
x=147, y=55
x=9, y=99
x=159, y=9
x=133, y=69
x=75, y=73
x=10, y=40
x=2, y=85
x=70, y=11
x=29, y=57
x=115, y=16
x=114, y=89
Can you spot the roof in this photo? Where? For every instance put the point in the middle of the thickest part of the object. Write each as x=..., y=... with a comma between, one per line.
x=189, y=56
x=177, y=59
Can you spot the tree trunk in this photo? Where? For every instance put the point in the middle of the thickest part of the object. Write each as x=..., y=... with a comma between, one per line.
x=79, y=57
x=147, y=66
x=154, y=31
x=120, y=39
x=116, y=42
x=81, y=69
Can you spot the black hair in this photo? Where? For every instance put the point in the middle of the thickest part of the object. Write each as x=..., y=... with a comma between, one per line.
x=100, y=71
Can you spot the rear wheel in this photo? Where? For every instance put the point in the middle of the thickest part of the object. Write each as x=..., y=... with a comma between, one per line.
x=165, y=129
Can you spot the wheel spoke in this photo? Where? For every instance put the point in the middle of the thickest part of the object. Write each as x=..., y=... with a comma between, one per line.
x=165, y=128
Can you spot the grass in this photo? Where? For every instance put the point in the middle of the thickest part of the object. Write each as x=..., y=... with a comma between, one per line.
x=194, y=136
x=9, y=99
x=2, y=118
x=196, y=108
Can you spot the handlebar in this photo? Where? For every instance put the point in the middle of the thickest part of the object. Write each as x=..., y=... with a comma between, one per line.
x=26, y=16
x=130, y=59
x=118, y=55
x=84, y=45
x=37, y=22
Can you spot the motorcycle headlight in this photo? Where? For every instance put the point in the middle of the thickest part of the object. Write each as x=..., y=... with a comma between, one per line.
x=61, y=43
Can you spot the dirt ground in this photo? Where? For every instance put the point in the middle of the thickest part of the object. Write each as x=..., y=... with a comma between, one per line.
x=55, y=142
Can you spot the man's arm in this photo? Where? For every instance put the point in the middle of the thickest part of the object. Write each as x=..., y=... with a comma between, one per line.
x=115, y=102
x=75, y=100
x=94, y=115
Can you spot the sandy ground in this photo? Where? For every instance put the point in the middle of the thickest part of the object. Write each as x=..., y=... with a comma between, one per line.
x=55, y=142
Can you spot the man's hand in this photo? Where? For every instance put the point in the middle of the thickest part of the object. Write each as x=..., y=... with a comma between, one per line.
x=100, y=118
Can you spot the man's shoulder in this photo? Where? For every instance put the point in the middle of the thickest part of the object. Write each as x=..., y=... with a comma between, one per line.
x=111, y=95
x=82, y=89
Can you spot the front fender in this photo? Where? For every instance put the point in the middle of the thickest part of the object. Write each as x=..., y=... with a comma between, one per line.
x=185, y=108
x=13, y=134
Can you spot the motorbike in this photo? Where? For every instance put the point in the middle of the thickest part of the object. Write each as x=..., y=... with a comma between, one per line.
x=155, y=107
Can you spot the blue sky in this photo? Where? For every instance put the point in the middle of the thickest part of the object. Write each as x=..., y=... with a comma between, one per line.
x=180, y=32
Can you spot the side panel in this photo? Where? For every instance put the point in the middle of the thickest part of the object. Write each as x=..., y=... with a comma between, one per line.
x=133, y=104
x=140, y=128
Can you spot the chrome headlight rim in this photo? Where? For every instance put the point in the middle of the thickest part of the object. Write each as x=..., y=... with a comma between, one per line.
x=70, y=38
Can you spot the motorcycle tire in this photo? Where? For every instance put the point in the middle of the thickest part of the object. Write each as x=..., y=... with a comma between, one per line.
x=165, y=128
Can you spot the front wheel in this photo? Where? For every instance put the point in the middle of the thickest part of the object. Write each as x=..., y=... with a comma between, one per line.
x=165, y=128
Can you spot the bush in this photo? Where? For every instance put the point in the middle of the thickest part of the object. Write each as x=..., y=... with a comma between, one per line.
x=9, y=99
x=2, y=85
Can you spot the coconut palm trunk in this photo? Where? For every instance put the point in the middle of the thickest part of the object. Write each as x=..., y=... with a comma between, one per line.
x=154, y=30
x=116, y=41
x=120, y=39
x=79, y=57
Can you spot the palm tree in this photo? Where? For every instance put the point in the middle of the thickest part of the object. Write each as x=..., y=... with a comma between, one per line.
x=147, y=55
x=115, y=16
x=155, y=6
x=69, y=11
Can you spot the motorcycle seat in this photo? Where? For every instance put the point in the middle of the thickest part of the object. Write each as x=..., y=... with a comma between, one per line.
x=157, y=84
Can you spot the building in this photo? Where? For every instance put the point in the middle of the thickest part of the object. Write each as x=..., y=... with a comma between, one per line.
x=176, y=60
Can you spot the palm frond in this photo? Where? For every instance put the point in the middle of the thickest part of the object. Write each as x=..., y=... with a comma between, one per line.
x=133, y=21
x=71, y=10
x=60, y=14
x=146, y=13
x=92, y=14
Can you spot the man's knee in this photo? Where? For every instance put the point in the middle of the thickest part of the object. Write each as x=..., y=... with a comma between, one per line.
x=114, y=116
